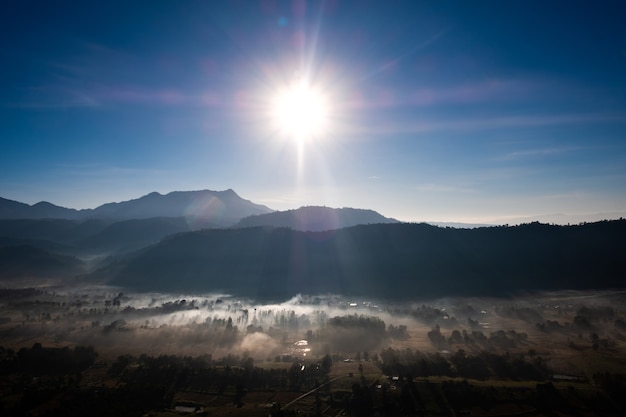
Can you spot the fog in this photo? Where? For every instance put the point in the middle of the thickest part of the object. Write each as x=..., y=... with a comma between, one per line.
x=558, y=325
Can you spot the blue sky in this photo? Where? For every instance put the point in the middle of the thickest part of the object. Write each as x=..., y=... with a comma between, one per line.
x=485, y=111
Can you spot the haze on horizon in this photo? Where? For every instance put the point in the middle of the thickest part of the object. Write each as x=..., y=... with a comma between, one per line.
x=461, y=112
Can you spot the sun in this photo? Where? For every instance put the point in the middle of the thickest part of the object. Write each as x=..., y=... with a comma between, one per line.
x=301, y=112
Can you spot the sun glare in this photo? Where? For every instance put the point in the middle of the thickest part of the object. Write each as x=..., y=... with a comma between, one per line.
x=301, y=112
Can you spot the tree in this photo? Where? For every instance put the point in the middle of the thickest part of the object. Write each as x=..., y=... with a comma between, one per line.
x=327, y=363
x=436, y=338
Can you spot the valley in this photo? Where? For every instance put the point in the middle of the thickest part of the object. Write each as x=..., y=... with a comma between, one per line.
x=452, y=354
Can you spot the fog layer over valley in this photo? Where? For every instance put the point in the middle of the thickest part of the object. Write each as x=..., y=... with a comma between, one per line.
x=128, y=353
x=560, y=327
x=159, y=323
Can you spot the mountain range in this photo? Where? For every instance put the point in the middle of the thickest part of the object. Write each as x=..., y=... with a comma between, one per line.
x=202, y=208
x=200, y=241
x=118, y=228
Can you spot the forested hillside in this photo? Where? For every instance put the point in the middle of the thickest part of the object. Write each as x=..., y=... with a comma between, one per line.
x=384, y=260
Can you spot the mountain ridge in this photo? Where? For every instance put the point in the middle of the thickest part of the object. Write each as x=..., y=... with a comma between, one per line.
x=204, y=207
x=315, y=218
x=396, y=260
x=11, y=209
x=25, y=261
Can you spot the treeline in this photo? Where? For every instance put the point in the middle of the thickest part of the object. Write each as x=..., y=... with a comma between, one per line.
x=136, y=385
x=219, y=376
x=397, y=261
x=39, y=360
x=352, y=333
x=409, y=363
x=499, y=339
x=51, y=382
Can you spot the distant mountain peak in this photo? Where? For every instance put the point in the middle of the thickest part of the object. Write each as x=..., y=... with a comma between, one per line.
x=203, y=208
x=210, y=208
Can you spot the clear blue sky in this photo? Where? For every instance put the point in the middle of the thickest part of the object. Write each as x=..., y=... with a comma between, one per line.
x=469, y=111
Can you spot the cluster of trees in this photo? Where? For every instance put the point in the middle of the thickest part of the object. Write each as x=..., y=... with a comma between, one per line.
x=596, y=313
x=17, y=293
x=39, y=360
x=580, y=323
x=600, y=323
x=143, y=382
x=397, y=332
x=550, y=326
x=352, y=333
x=499, y=339
x=461, y=364
x=373, y=324
x=587, y=318
x=205, y=374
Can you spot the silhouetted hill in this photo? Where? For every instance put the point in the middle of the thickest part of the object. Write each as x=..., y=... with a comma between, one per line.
x=124, y=226
x=10, y=209
x=26, y=261
x=133, y=234
x=47, y=245
x=89, y=236
x=315, y=218
x=57, y=230
x=202, y=209
x=383, y=260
